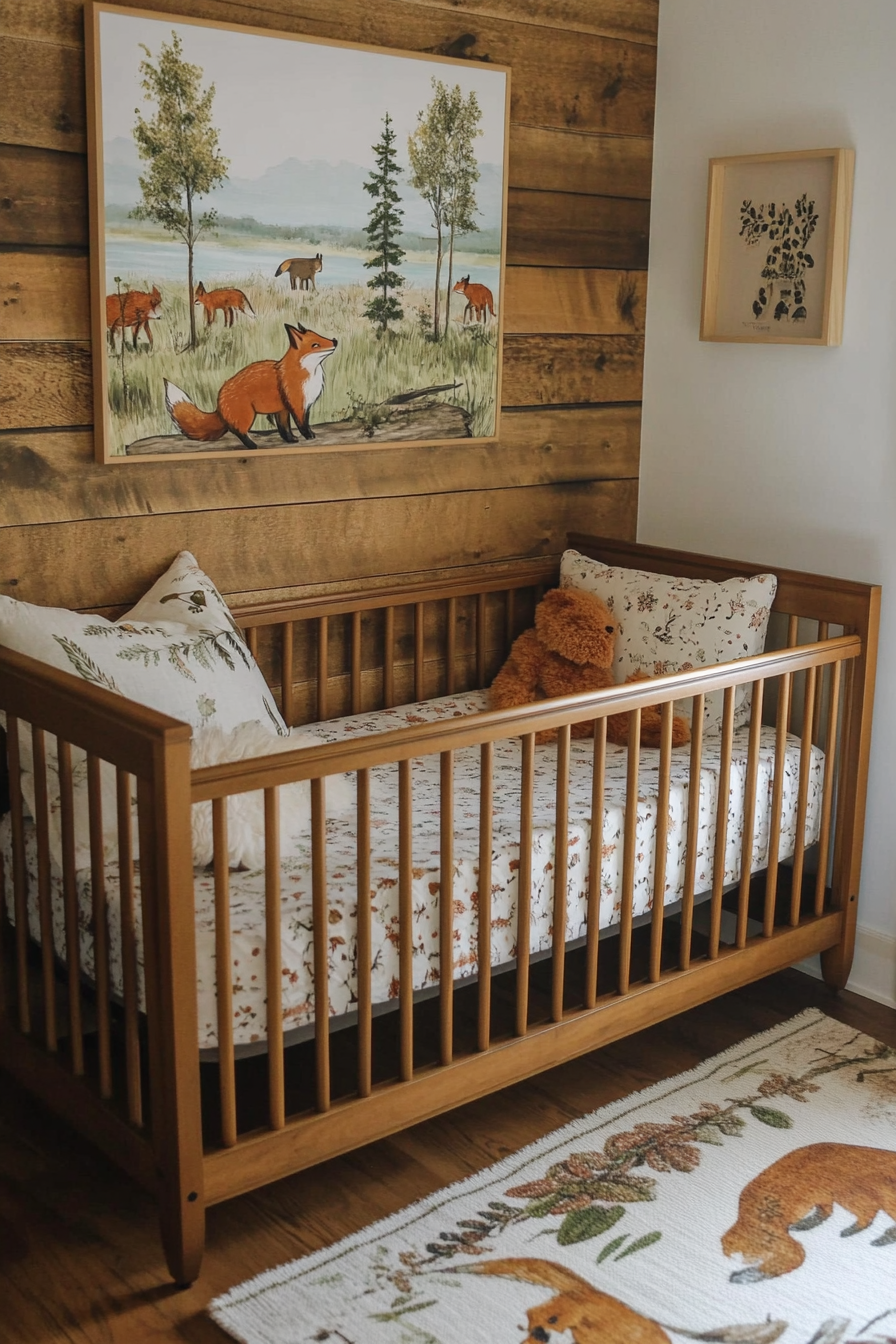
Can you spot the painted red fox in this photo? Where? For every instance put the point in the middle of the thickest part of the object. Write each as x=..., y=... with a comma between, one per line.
x=584, y=1313
x=228, y=301
x=132, y=309
x=280, y=387
x=797, y=1193
x=479, y=298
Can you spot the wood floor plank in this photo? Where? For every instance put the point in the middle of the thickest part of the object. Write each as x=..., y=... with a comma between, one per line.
x=85, y=1267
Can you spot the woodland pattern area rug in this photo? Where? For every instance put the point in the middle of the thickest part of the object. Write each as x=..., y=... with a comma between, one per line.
x=748, y=1201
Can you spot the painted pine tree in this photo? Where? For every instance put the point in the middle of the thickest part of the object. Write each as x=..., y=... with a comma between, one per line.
x=383, y=228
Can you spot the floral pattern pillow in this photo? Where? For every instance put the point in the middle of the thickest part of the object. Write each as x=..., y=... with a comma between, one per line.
x=670, y=624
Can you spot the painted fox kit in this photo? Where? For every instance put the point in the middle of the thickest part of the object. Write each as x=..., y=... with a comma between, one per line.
x=229, y=301
x=480, y=299
x=133, y=309
x=280, y=387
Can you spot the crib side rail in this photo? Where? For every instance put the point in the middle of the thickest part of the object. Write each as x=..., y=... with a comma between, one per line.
x=263, y=772
x=97, y=772
x=714, y=937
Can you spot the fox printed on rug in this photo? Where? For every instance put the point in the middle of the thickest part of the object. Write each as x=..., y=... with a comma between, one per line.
x=748, y=1201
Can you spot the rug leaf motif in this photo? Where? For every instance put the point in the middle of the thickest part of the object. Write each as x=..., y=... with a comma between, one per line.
x=587, y=1181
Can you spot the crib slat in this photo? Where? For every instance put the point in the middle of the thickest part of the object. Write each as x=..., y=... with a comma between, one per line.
x=799, y=849
x=365, y=949
x=662, y=833
x=389, y=659
x=19, y=872
x=561, y=867
x=321, y=921
x=692, y=832
x=749, y=815
x=793, y=625
x=405, y=921
x=273, y=956
x=356, y=662
x=823, y=633
x=595, y=859
x=827, y=794
x=524, y=884
x=446, y=906
x=323, y=660
x=70, y=904
x=480, y=641
x=223, y=974
x=45, y=912
x=774, y=841
x=287, y=676
x=128, y=947
x=484, y=951
x=451, y=646
x=252, y=640
x=722, y=802
x=509, y=619
x=629, y=849
x=419, y=678
x=100, y=926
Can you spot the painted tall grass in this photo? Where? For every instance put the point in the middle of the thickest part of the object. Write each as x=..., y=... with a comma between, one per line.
x=360, y=376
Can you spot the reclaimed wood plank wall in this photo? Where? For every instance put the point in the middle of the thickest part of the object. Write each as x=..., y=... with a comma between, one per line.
x=77, y=534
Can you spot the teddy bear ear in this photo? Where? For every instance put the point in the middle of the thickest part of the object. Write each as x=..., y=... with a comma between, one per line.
x=577, y=625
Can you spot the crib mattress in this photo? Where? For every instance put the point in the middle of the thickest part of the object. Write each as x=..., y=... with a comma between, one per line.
x=247, y=968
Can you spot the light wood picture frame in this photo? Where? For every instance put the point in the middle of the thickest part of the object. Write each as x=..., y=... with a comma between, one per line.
x=305, y=285
x=777, y=246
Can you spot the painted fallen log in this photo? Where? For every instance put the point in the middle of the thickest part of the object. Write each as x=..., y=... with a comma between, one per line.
x=409, y=423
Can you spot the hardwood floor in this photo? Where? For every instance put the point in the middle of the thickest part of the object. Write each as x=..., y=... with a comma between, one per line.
x=80, y=1260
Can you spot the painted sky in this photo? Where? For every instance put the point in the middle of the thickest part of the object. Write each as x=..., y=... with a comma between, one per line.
x=276, y=99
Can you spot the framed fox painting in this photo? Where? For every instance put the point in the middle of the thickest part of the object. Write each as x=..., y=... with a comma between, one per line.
x=296, y=245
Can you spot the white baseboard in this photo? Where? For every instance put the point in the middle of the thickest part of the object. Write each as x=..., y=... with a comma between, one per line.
x=873, y=968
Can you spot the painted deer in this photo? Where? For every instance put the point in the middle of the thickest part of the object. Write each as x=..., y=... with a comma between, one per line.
x=302, y=269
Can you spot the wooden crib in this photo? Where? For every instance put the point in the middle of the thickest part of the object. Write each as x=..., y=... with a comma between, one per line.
x=199, y=1133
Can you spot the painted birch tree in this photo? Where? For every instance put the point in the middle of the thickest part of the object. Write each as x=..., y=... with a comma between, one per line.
x=179, y=144
x=444, y=171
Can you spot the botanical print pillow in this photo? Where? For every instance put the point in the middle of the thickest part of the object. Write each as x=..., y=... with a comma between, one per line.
x=670, y=624
x=198, y=670
x=186, y=594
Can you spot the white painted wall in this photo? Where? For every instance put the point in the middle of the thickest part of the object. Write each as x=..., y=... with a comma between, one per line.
x=785, y=454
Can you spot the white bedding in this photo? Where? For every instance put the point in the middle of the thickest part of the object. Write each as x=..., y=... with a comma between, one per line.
x=247, y=888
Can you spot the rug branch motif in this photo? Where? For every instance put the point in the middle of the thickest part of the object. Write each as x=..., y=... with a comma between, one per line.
x=637, y=1257
x=588, y=1189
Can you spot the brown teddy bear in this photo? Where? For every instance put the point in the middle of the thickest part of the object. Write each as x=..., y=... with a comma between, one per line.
x=570, y=651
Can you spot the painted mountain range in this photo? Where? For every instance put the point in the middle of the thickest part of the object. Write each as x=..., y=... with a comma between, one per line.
x=298, y=192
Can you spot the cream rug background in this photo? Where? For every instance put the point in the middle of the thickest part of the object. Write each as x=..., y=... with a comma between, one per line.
x=750, y=1200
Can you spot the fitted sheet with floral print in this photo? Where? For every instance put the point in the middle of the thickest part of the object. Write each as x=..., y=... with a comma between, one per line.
x=247, y=888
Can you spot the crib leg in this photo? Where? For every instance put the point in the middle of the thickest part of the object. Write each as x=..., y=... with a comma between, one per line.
x=836, y=962
x=183, y=1237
